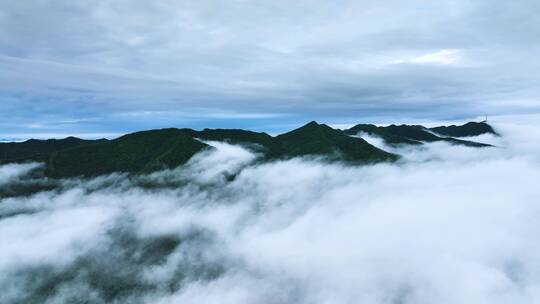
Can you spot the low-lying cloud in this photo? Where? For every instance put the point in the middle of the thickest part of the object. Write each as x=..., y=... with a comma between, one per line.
x=446, y=224
x=10, y=172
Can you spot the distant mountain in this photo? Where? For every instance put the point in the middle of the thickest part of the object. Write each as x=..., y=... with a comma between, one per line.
x=39, y=149
x=408, y=134
x=466, y=130
x=152, y=150
x=383, y=132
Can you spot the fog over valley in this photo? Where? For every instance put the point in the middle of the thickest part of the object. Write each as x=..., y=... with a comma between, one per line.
x=444, y=223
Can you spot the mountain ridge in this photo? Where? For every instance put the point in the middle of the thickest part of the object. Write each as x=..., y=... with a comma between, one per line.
x=151, y=150
x=417, y=134
x=466, y=130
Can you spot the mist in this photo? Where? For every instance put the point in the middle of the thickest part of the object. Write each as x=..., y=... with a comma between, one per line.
x=445, y=224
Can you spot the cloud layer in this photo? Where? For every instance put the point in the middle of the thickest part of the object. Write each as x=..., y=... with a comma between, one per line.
x=448, y=224
x=102, y=67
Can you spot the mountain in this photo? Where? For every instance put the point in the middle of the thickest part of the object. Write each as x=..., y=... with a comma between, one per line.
x=468, y=129
x=39, y=149
x=408, y=134
x=311, y=139
x=382, y=132
x=152, y=150
x=133, y=153
x=320, y=139
x=261, y=142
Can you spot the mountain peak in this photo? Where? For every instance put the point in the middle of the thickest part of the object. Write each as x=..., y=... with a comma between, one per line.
x=311, y=124
x=322, y=140
x=310, y=129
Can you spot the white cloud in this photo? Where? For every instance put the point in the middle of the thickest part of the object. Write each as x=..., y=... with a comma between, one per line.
x=449, y=224
x=442, y=57
x=12, y=172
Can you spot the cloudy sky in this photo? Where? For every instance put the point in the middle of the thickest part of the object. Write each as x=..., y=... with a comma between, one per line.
x=100, y=67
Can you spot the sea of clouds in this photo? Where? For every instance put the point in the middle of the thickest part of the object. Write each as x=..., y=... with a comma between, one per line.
x=446, y=224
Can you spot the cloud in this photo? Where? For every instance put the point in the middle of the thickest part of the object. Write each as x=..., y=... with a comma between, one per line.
x=447, y=224
x=442, y=57
x=12, y=172
x=322, y=60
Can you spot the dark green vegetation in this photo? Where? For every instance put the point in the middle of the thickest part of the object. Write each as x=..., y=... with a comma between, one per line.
x=152, y=150
x=136, y=153
x=261, y=142
x=382, y=132
x=320, y=139
x=39, y=149
x=413, y=134
x=468, y=129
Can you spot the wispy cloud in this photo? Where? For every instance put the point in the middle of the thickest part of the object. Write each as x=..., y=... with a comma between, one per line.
x=442, y=57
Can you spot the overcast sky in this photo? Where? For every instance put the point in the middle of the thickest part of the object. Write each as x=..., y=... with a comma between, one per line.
x=101, y=67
